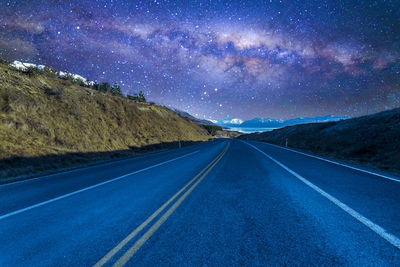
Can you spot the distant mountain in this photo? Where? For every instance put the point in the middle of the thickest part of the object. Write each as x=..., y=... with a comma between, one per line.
x=277, y=123
x=262, y=123
x=227, y=122
x=273, y=123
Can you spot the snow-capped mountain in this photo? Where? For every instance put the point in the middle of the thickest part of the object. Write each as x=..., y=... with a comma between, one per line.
x=235, y=121
x=23, y=66
x=273, y=123
x=262, y=123
x=227, y=122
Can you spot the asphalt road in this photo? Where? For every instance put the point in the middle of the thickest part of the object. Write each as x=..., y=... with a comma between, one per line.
x=220, y=203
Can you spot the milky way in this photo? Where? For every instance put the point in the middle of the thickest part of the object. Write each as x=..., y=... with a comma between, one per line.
x=217, y=58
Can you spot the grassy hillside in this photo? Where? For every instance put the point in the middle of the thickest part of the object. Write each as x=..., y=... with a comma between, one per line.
x=372, y=140
x=41, y=114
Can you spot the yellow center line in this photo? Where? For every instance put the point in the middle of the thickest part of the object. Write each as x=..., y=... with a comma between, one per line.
x=140, y=242
x=126, y=240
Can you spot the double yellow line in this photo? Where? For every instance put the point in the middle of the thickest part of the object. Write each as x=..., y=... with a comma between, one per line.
x=139, y=243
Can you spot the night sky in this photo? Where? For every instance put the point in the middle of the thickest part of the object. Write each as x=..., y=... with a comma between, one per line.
x=215, y=59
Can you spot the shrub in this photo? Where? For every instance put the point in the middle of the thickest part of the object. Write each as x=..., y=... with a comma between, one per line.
x=104, y=87
x=68, y=76
x=116, y=90
x=212, y=129
x=50, y=72
x=57, y=93
x=80, y=83
x=96, y=86
x=137, y=97
x=4, y=61
x=141, y=97
x=32, y=71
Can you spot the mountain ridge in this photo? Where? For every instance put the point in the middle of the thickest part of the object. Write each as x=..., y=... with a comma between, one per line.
x=188, y=115
x=272, y=122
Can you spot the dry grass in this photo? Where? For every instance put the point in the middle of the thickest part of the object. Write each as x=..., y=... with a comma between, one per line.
x=43, y=115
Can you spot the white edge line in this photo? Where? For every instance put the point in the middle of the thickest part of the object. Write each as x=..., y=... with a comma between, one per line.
x=91, y=187
x=334, y=162
x=105, y=163
x=395, y=241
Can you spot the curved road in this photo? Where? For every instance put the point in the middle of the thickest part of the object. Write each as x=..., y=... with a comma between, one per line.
x=220, y=203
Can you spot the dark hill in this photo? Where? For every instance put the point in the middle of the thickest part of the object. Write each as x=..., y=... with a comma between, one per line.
x=372, y=140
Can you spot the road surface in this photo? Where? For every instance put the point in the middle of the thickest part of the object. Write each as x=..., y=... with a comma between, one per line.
x=220, y=203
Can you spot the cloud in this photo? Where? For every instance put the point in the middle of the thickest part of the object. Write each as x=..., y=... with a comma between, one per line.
x=28, y=25
x=247, y=38
x=345, y=54
x=240, y=69
x=15, y=48
x=127, y=27
x=385, y=58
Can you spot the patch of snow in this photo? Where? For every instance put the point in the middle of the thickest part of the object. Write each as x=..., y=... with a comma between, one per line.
x=227, y=121
x=62, y=74
x=236, y=121
x=23, y=66
x=75, y=77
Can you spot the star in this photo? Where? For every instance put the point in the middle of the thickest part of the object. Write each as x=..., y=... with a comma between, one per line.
x=304, y=58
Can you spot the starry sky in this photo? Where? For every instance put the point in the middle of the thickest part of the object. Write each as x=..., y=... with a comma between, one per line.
x=213, y=59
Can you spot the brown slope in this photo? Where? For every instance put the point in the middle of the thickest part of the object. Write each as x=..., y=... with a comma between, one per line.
x=42, y=115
